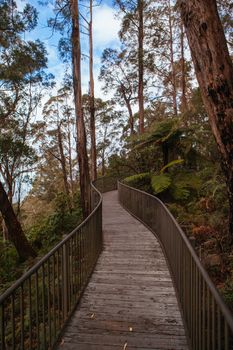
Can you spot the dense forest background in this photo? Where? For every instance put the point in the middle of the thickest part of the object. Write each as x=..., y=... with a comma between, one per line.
x=152, y=129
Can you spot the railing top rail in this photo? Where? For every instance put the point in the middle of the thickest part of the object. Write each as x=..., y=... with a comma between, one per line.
x=225, y=310
x=35, y=267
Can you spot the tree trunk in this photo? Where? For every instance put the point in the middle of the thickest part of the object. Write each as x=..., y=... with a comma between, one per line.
x=131, y=121
x=70, y=160
x=103, y=165
x=184, y=104
x=165, y=152
x=14, y=229
x=128, y=105
x=174, y=90
x=10, y=198
x=92, y=102
x=214, y=70
x=4, y=231
x=18, y=210
x=63, y=166
x=141, y=65
x=84, y=176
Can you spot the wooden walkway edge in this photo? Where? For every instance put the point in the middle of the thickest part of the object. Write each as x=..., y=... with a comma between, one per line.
x=130, y=302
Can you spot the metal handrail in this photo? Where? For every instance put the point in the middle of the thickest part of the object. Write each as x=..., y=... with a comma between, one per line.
x=208, y=320
x=34, y=310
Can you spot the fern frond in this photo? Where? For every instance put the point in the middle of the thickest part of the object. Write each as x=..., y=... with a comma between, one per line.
x=172, y=163
x=160, y=183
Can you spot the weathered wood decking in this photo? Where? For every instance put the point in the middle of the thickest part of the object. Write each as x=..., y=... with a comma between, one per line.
x=130, y=302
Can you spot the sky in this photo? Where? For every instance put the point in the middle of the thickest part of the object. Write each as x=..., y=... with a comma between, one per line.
x=106, y=25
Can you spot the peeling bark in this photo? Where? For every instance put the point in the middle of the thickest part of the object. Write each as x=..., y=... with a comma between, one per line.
x=70, y=161
x=141, y=66
x=174, y=89
x=128, y=105
x=214, y=71
x=92, y=102
x=63, y=165
x=84, y=176
x=184, y=104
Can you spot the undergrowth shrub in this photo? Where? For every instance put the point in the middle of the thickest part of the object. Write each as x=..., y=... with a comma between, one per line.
x=44, y=235
x=49, y=230
x=140, y=181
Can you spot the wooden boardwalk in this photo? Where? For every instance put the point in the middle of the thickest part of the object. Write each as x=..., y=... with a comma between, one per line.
x=130, y=302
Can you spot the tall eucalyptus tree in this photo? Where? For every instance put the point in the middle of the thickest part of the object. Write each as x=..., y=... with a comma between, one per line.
x=214, y=71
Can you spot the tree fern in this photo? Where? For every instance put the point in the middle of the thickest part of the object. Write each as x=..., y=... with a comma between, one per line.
x=160, y=183
x=172, y=163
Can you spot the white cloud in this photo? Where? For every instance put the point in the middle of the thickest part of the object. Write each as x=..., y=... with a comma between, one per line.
x=105, y=26
x=20, y=4
x=52, y=51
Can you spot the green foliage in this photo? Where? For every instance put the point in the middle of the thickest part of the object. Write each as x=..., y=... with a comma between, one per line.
x=164, y=132
x=49, y=230
x=140, y=181
x=8, y=264
x=14, y=22
x=43, y=234
x=227, y=293
x=184, y=185
x=180, y=186
x=179, y=192
x=160, y=183
x=171, y=164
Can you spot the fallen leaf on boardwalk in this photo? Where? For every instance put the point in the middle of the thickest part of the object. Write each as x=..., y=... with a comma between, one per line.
x=125, y=346
x=131, y=329
x=62, y=342
x=93, y=316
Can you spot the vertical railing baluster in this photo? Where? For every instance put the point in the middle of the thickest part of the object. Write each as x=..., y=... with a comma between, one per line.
x=208, y=319
x=71, y=273
x=193, y=301
x=79, y=262
x=204, y=317
x=196, y=306
x=226, y=336
x=64, y=281
x=200, y=311
x=30, y=310
x=49, y=305
x=22, y=317
x=81, y=258
x=213, y=324
x=58, y=290
x=37, y=310
x=62, y=286
x=13, y=320
x=191, y=297
x=76, y=257
x=54, y=297
x=43, y=306
x=219, y=329
x=2, y=320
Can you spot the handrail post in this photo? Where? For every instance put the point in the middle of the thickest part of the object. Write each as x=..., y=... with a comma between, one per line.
x=65, y=280
x=2, y=338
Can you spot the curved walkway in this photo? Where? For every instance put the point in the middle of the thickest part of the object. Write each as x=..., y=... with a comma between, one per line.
x=130, y=302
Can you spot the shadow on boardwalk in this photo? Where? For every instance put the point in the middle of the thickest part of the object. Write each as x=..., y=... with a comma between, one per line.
x=130, y=302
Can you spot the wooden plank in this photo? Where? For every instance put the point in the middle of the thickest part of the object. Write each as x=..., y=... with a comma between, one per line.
x=130, y=298
x=137, y=341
